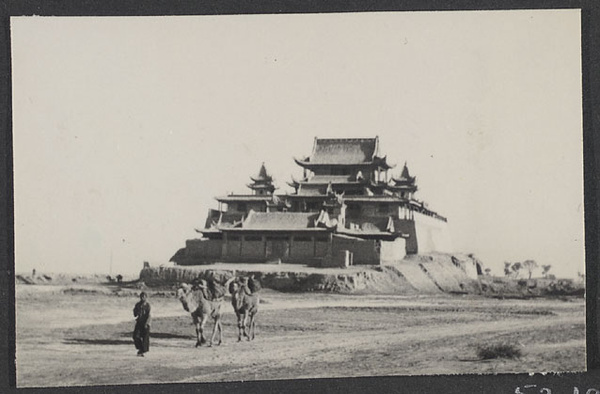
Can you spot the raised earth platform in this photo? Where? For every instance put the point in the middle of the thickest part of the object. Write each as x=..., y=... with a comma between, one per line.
x=437, y=273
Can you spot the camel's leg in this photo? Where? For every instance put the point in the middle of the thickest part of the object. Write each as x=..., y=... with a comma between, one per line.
x=252, y=325
x=202, y=339
x=198, y=334
x=220, y=331
x=247, y=317
x=216, y=327
x=240, y=320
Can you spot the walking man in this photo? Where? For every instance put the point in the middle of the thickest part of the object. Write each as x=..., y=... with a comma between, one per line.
x=141, y=333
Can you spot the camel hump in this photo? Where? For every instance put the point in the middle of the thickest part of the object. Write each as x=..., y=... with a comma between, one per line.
x=217, y=290
x=254, y=285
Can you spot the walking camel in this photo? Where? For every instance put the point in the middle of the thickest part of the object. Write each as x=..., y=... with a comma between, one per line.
x=245, y=304
x=202, y=306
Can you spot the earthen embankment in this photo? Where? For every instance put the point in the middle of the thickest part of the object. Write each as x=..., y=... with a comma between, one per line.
x=427, y=274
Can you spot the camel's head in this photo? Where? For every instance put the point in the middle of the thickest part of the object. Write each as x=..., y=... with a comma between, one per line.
x=182, y=294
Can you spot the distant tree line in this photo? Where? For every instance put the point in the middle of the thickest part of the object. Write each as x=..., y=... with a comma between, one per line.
x=529, y=266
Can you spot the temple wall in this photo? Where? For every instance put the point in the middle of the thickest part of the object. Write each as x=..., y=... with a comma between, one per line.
x=289, y=248
x=253, y=249
x=408, y=227
x=202, y=249
x=393, y=250
x=302, y=249
x=322, y=248
x=364, y=250
x=432, y=234
x=231, y=249
x=426, y=234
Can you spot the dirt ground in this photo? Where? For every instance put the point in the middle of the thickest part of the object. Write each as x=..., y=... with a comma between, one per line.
x=82, y=336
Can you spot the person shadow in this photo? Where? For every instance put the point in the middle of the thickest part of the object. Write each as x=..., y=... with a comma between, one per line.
x=113, y=341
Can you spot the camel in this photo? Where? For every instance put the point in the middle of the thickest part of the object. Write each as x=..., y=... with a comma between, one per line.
x=196, y=301
x=245, y=305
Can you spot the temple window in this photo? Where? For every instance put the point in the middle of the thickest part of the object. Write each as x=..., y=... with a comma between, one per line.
x=382, y=208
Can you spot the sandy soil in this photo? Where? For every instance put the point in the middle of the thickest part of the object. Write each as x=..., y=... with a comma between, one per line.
x=83, y=337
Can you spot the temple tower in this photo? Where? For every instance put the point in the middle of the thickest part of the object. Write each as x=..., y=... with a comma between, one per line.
x=262, y=184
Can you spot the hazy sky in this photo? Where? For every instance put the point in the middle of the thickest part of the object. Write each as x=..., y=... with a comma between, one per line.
x=126, y=128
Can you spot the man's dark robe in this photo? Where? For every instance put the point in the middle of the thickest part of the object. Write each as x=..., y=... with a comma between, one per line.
x=141, y=333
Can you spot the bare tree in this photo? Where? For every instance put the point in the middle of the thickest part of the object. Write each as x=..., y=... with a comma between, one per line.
x=545, y=269
x=507, y=268
x=530, y=265
x=516, y=267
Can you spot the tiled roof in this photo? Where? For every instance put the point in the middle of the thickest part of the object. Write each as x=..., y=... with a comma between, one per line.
x=325, y=179
x=263, y=175
x=381, y=198
x=279, y=220
x=310, y=191
x=404, y=177
x=344, y=150
x=243, y=197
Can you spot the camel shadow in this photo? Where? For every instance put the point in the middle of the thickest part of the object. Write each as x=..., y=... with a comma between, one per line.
x=160, y=335
x=164, y=335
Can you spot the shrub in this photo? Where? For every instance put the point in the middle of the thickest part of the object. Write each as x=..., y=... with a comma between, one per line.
x=498, y=350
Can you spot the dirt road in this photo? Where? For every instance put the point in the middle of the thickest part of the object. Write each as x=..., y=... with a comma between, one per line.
x=84, y=338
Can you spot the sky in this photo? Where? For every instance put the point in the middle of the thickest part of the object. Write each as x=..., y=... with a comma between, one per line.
x=125, y=128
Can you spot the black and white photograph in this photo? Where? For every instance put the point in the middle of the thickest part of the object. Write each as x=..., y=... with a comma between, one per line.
x=226, y=198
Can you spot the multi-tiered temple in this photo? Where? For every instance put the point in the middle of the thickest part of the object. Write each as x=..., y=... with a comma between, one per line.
x=348, y=206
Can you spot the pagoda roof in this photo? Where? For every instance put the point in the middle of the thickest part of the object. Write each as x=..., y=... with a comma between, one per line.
x=280, y=221
x=375, y=198
x=310, y=191
x=404, y=177
x=313, y=194
x=327, y=179
x=244, y=197
x=256, y=186
x=263, y=176
x=344, y=151
x=402, y=187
